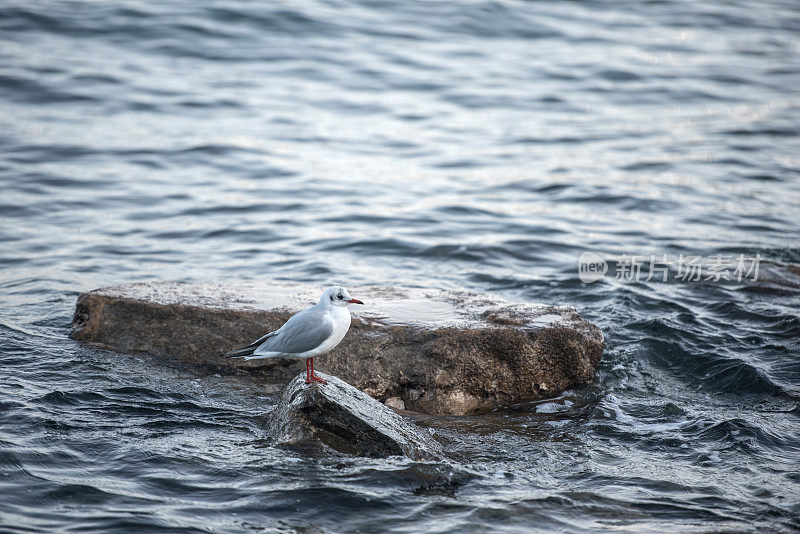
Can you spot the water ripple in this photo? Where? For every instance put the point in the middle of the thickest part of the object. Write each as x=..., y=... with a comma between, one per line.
x=482, y=145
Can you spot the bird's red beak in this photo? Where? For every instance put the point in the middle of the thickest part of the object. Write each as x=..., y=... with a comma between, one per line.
x=355, y=301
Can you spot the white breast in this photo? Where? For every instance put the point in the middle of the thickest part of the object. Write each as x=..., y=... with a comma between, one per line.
x=340, y=317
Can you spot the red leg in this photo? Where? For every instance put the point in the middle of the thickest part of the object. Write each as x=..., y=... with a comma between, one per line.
x=308, y=372
x=315, y=378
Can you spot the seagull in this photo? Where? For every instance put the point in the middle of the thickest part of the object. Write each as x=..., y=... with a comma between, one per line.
x=308, y=333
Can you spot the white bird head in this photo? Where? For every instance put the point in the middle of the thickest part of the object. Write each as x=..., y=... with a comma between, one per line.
x=338, y=296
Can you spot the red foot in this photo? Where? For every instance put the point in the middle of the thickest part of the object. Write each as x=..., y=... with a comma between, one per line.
x=310, y=376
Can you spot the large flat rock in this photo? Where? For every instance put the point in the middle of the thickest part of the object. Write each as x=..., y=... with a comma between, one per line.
x=446, y=352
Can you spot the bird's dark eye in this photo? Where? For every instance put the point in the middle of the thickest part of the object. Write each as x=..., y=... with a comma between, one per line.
x=340, y=297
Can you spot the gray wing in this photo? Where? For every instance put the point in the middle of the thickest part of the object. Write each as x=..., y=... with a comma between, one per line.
x=303, y=331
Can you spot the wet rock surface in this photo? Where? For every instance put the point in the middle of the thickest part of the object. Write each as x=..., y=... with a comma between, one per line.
x=341, y=418
x=442, y=352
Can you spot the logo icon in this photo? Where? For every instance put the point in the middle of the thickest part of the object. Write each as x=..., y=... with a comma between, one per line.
x=591, y=267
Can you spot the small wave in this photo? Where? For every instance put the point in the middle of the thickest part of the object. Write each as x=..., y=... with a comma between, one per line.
x=275, y=20
x=30, y=91
x=62, y=398
x=763, y=132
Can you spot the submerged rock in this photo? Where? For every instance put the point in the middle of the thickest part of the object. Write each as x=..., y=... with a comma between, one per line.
x=346, y=420
x=445, y=352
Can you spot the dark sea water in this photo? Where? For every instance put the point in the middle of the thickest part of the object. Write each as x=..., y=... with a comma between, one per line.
x=483, y=145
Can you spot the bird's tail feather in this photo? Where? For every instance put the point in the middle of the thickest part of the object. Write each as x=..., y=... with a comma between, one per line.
x=240, y=353
x=249, y=349
x=244, y=351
